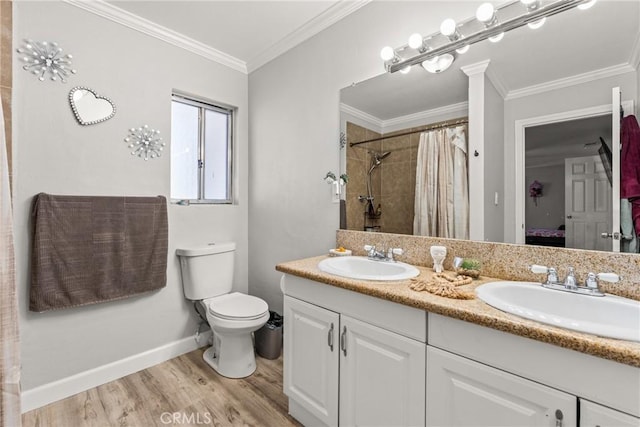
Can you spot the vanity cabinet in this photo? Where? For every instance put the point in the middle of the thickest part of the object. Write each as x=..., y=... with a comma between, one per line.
x=375, y=376
x=352, y=359
x=461, y=392
x=594, y=415
x=311, y=368
x=349, y=361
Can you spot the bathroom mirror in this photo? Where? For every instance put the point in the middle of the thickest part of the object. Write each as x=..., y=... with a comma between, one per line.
x=526, y=67
x=90, y=108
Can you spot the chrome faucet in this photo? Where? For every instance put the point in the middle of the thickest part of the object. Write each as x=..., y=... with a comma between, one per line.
x=376, y=255
x=570, y=283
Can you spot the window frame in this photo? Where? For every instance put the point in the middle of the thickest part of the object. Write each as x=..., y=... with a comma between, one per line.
x=202, y=106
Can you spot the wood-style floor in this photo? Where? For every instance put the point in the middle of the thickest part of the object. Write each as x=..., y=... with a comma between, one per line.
x=183, y=391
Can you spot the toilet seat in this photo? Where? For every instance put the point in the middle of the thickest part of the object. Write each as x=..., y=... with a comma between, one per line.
x=236, y=306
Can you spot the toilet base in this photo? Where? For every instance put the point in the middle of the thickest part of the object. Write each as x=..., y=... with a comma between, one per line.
x=237, y=358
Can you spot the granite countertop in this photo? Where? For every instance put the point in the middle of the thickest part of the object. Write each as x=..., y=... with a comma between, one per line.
x=475, y=311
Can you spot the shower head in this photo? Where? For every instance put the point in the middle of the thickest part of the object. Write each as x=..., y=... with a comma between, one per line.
x=378, y=157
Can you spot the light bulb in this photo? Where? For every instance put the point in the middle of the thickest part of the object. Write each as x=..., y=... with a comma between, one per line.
x=415, y=41
x=485, y=12
x=406, y=69
x=387, y=53
x=587, y=5
x=496, y=38
x=537, y=24
x=529, y=3
x=448, y=27
x=463, y=50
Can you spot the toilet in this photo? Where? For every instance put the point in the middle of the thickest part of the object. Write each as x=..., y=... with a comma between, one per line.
x=207, y=277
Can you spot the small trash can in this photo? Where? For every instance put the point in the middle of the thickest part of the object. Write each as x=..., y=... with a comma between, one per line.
x=269, y=337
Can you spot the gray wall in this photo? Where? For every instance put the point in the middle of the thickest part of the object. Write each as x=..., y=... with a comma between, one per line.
x=576, y=97
x=493, y=163
x=549, y=211
x=56, y=155
x=295, y=122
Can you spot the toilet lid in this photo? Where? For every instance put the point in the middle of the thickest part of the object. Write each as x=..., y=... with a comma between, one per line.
x=237, y=306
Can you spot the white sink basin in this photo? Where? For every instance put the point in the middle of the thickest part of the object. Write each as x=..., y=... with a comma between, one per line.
x=357, y=267
x=608, y=316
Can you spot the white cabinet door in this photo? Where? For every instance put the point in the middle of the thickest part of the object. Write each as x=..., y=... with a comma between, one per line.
x=594, y=415
x=461, y=392
x=382, y=377
x=311, y=358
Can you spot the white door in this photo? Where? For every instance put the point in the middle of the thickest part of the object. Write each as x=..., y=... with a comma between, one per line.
x=461, y=392
x=311, y=358
x=382, y=377
x=594, y=415
x=587, y=204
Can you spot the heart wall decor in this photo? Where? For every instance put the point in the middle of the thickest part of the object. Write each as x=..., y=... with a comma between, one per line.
x=89, y=107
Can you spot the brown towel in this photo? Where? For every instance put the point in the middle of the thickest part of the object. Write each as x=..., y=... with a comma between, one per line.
x=90, y=249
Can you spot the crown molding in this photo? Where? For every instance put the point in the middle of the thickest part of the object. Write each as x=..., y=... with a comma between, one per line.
x=344, y=108
x=570, y=81
x=327, y=18
x=135, y=22
x=424, y=115
x=477, y=68
x=497, y=82
x=634, y=59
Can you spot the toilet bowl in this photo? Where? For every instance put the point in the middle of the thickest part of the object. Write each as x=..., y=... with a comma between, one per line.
x=207, y=277
x=232, y=318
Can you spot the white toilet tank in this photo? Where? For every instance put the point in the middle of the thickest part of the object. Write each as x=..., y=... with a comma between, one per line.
x=207, y=271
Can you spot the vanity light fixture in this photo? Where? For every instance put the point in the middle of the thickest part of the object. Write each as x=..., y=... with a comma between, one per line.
x=449, y=29
x=486, y=14
x=532, y=5
x=437, y=52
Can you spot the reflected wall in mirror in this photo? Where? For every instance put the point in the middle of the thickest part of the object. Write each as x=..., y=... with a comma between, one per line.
x=89, y=107
x=571, y=63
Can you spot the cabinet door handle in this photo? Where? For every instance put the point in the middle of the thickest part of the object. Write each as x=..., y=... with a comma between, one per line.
x=559, y=417
x=330, y=338
x=343, y=340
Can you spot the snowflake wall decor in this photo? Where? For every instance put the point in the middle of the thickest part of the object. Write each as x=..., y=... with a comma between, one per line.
x=145, y=142
x=46, y=59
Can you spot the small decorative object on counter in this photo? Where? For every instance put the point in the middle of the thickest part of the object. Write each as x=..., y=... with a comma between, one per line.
x=339, y=252
x=469, y=267
x=443, y=285
x=438, y=253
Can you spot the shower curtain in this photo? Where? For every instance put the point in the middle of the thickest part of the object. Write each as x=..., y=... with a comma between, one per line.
x=9, y=338
x=442, y=193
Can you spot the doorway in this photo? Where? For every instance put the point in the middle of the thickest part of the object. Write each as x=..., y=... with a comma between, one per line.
x=567, y=173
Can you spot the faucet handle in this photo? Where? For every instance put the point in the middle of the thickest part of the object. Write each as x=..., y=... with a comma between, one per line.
x=538, y=269
x=397, y=251
x=609, y=277
x=552, y=274
x=369, y=247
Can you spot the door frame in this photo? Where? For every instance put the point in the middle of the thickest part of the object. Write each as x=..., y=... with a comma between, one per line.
x=519, y=161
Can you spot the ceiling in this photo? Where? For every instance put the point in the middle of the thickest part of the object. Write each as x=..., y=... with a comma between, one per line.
x=253, y=32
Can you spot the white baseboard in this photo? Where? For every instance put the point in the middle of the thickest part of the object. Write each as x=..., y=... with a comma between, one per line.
x=57, y=390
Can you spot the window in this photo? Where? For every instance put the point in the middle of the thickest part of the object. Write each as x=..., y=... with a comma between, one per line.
x=201, y=151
